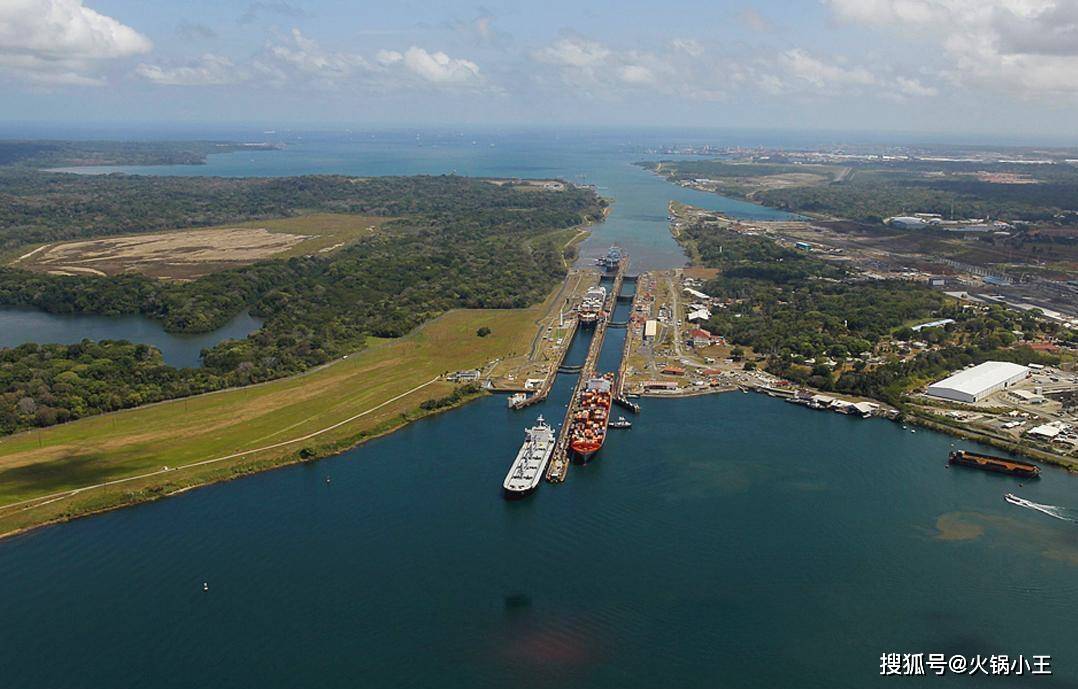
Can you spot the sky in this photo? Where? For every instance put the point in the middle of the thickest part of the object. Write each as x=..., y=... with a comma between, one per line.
x=971, y=66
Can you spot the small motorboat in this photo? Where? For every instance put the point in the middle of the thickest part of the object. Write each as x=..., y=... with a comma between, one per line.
x=1015, y=500
x=622, y=422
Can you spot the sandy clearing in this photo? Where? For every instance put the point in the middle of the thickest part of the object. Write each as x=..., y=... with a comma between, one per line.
x=152, y=253
x=28, y=255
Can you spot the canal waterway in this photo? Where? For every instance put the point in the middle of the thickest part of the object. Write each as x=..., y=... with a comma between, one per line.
x=723, y=541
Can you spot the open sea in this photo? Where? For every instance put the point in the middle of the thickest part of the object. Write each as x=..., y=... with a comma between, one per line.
x=724, y=541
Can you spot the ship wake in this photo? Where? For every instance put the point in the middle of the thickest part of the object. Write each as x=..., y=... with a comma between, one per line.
x=1056, y=512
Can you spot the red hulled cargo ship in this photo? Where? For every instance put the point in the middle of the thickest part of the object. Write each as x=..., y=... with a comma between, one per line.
x=590, y=420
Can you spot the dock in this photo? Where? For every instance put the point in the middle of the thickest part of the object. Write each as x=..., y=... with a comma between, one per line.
x=559, y=462
x=638, y=331
x=563, y=324
x=542, y=393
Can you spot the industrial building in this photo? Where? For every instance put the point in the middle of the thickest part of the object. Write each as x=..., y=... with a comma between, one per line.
x=932, y=324
x=905, y=222
x=974, y=384
x=651, y=328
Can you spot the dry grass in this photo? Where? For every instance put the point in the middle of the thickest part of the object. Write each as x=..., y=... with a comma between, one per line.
x=188, y=254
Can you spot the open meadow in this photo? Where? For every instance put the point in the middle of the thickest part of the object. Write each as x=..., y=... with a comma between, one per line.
x=249, y=429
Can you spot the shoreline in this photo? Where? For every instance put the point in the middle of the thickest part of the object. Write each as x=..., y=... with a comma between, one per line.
x=143, y=488
x=901, y=414
x=149, y=494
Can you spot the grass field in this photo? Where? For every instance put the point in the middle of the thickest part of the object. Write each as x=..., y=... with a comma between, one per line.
x=190, y=253
x=39, y=466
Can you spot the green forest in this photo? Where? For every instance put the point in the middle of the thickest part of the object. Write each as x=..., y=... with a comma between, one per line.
x=456, y=242
x=816, y=325
x=32, y=154
x=872, y=192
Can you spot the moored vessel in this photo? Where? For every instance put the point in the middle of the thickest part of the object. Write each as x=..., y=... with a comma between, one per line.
x=591, y=418
x=517, y=400
x=998, y=465
x=614, y=256
x=530, y=463
x=591, y=307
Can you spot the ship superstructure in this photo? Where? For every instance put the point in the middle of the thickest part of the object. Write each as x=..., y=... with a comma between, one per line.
x=591, y=307
x=528, y=467
x=612, y=260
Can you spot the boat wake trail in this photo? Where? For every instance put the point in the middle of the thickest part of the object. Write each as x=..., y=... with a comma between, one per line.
x=1054, y=511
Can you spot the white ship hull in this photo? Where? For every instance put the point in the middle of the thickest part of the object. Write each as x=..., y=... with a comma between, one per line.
x=531, y=461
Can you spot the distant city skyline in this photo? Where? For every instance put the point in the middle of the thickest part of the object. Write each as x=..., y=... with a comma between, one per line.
x=991, y=67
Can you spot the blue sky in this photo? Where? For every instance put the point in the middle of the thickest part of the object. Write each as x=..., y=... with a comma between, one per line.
x=991, y=66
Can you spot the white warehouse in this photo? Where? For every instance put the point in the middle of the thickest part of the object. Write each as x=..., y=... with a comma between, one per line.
x=974, y=384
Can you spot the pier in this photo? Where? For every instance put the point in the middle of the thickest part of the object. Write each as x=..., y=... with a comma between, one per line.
x=619, y=389
x=563, y=325
x=542, y=393
x=559, y=462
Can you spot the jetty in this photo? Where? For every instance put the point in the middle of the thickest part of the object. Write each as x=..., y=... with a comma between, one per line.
x=566, y=313
x=634, y=329
x=558, y=367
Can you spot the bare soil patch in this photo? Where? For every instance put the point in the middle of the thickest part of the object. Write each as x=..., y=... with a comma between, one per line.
x=192, y=253
x=167, y=254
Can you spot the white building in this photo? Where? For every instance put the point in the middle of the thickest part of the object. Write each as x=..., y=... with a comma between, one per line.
x=974, y=384
x=651, y=328
x=932, y=324
x=1048, y=431
x=906, y=222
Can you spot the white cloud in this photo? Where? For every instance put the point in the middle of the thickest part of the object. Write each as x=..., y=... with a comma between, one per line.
x=689, y=46
x=389, y=57
x=439, y=67
x=573, y=51
x=480, y=31
x=62, y=41
x=301, y=61
x=308, y=56
x=636, y=74
x=209, y=70
x=1017, y=47
x=690, y=69
x=823, y=74
x=913, y=87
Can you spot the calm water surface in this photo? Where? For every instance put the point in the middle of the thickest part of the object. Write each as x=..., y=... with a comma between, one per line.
x=19, y=326
x=725, y=541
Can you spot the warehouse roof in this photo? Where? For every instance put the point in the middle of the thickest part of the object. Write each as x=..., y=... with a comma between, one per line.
x=981, y=377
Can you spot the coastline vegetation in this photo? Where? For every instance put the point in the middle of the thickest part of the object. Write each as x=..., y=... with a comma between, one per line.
x=38, y=153
x=455, y=243
x=136, y=444
x=870, y=192
x=819, y=326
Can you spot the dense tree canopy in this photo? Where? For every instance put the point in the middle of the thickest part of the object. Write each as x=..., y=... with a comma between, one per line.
x=456, y=242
